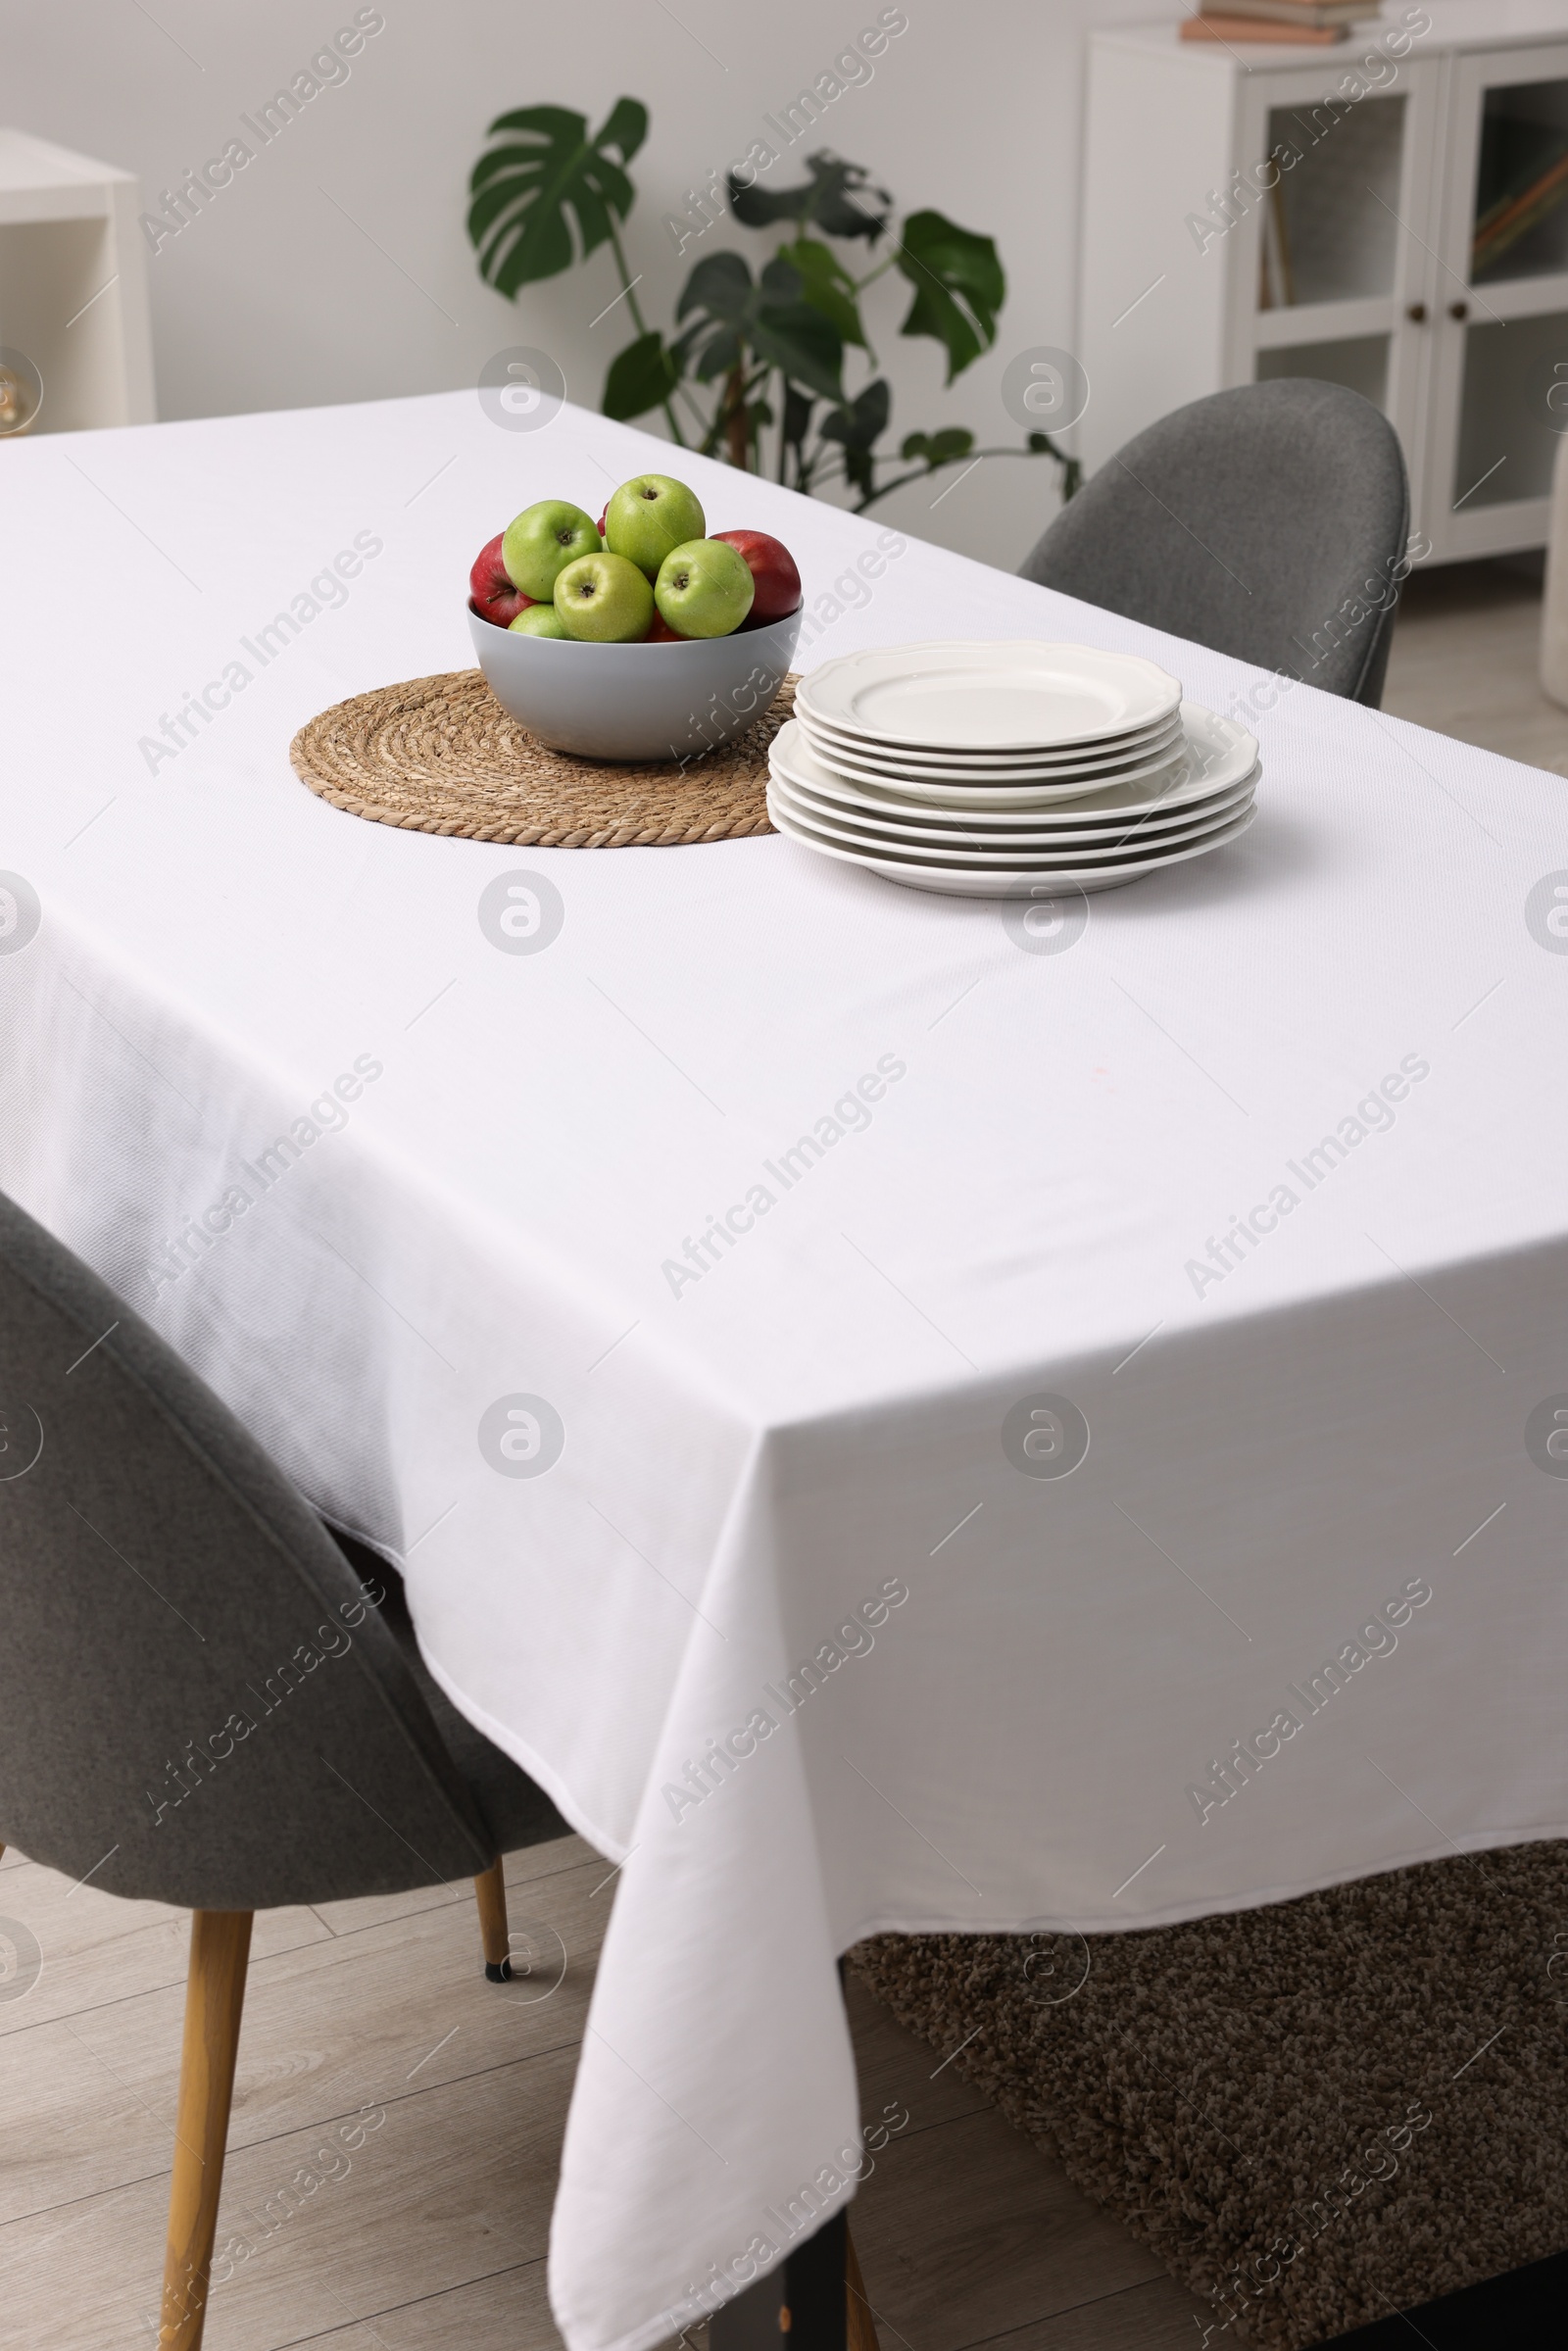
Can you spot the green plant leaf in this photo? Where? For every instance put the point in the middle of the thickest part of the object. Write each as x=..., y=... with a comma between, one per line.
x=802, y=344
x=544, y=167
x=959, y=287
x=769, y=318
x=857, y=426
x=721, y=351
x=720, y=285
x=937, y=448
x=840, y=199
x=828, y=286
x=797, y=407
x=640, y=377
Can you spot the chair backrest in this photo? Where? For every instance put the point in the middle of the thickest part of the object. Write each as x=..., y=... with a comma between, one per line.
x=1269, y=521
x=198, y=1701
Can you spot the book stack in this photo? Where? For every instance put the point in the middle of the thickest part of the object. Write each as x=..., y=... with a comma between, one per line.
x=1305, y=24
x=1523, y=183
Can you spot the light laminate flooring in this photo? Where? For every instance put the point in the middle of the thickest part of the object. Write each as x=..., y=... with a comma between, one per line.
x=1465, y=660
x=433, y=2231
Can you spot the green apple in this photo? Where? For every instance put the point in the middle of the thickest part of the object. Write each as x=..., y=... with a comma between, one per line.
x=705, y=589
x=604, y=600
x=648, y=516
x=538, y=544
x=538, y=621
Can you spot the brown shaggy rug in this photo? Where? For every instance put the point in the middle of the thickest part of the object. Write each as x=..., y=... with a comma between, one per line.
x=1315, y=2114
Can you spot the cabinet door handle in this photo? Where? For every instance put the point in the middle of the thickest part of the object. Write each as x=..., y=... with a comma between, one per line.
x=1459, y=310
x=1416, y=313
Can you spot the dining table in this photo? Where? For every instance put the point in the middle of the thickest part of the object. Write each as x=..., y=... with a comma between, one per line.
x=871, y=1407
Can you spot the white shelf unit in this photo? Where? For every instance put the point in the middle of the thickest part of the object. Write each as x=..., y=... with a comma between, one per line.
x=72, y=286
x=1416, y=248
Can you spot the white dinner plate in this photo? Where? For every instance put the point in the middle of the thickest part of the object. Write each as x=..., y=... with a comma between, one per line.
x=948, y=791
x=1146, y=827
x=959, y=882
x=1013, y=856
x=897, y=757
x=896, y=766
x=1217, y=754
x=922, y=819
x=1019, y=695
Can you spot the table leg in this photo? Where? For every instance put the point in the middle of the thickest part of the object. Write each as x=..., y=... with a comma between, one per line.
x=859, y=2319
x=805, y=2298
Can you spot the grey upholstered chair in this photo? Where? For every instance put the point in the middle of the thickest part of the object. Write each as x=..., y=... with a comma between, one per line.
x=201, y=1701
x=1269, y=521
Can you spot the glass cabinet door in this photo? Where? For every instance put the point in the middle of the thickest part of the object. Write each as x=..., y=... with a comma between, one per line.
x=1334, y=215
x=1519, y=212
x=1502, y=316
x=1337, y=280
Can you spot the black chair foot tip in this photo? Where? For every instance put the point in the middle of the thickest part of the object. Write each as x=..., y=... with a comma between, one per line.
x=497, y=1971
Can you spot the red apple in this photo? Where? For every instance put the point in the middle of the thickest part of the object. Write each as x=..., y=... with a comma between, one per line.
x=600, y=524
x=777, y=583
x=490, y=583
x=660, y=632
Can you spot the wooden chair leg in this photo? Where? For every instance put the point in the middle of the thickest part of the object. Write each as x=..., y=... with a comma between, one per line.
x=862, y=2326
x=215, y=1995
x=490, y=1891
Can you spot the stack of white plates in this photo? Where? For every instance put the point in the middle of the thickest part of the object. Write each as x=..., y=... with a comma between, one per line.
x=986, y=770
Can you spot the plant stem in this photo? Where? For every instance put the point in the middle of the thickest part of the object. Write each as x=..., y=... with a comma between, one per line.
x=692, y=401
x=737, y=433
x=626, y=284
x=629, y=292
x=871, y=275
x=1071, y=472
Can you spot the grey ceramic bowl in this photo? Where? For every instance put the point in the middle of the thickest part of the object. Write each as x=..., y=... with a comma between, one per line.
x=635, y=702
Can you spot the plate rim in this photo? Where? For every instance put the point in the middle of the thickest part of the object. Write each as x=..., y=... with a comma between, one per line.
x=812, y=684
x=969, y=860
x=1073, y=755
x=1024, y=878
x=1031, y=791
x=1179, y=820
x=934, y=771
x=1026, y=799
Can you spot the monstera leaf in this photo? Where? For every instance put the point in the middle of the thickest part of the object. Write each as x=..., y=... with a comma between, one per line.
x=828, y=286
x=959, y=287
x=840, y=199
x=544, y=167
x=767, y=318
x=643, y=376
x=857, y=428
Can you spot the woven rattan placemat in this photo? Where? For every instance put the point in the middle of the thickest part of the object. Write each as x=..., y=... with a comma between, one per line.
x=439, y=754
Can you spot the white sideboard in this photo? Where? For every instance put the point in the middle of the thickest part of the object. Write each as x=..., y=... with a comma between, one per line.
x=72, y=284
x=1391, y=213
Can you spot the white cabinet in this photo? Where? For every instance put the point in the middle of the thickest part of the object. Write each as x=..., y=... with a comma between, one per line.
x=1390, y=213
x=72, y=290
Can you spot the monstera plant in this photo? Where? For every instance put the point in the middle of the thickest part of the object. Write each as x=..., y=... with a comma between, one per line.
x=754, y=364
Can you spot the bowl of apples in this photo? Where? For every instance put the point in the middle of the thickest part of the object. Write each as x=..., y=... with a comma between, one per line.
x=638, y=637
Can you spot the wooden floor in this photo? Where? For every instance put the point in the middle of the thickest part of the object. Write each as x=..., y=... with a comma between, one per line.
x=433, y=2231
x=1465, y=660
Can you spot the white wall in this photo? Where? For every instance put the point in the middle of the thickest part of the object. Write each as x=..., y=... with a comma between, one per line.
x=274, y=298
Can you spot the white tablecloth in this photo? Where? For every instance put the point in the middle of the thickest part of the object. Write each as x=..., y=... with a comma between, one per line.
x=786, y=1197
